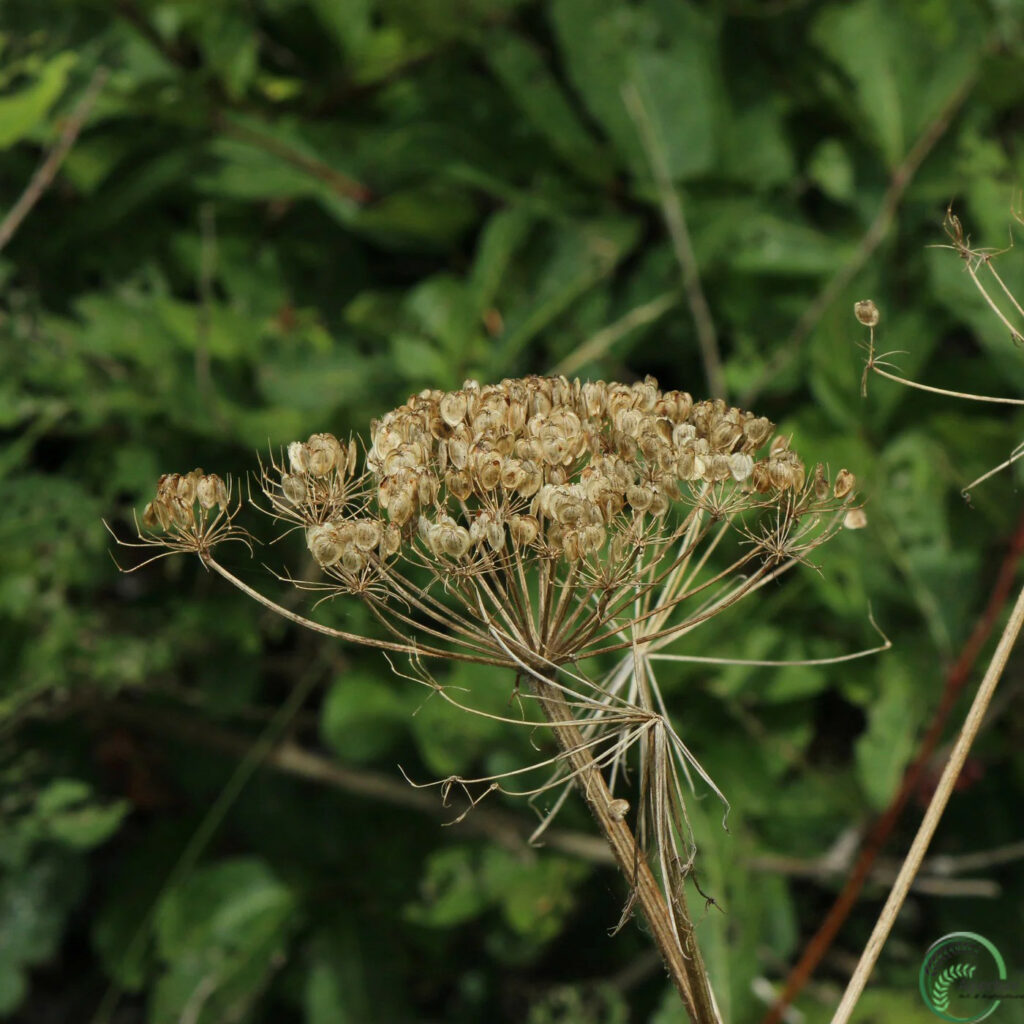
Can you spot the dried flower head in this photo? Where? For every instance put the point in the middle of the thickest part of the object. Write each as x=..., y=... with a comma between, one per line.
x=551, y=513
x=537, y=522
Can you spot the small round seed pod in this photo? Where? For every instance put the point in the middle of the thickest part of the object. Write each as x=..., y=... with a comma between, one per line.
x=855, y=519
x=325, y=543
x=400, y=507
x=298, y=457
x=488, y=471
x=866, y=312
x=845, y=482
x=186, y=489
x=155, y=515
x=367, y=534
x=450, y=540
x=211, y=490
x=740, y=466
x=756, y=430
x=523, y=530
x=390, y=541
x=453, y=408
x=458, y=452
x=427, y=487
x=293, y=487
x=495, y=534
x=821, y=487
x=324, y=454
x=182, y=514
x=353, y=559
x=459, y=484
x=639, y=497
x=718, y=468
x=659, y=504
x=592, y=539
x=571, y=545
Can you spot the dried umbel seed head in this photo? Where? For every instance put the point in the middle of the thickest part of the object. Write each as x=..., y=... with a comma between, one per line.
x=490, y=477
x=866, y=312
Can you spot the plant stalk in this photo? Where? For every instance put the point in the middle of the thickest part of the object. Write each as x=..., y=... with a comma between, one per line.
x=684, y=962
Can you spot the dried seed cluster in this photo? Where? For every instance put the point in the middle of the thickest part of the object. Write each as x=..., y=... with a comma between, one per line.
x=560, y=466
x=184, y=500
x=550, y=510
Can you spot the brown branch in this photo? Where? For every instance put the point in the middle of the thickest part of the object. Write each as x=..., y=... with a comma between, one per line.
x=956, y=678
x=510, y=830
x=341, y=184
x=47, y=170
x=683, y=961
x=933, y=815
x=675, y=220
x=901, y=178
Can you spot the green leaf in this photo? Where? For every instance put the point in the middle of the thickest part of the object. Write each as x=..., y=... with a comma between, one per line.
x=528, y=80
x=362, y=716
x=885, y=748
x=22, y=112
x=668, y=53
x=221, y=934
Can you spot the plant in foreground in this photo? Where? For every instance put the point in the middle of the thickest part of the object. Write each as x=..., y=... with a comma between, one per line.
x=540, y=524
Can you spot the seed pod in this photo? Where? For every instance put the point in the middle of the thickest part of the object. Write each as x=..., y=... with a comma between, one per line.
x=186, y=489
x=488, y=471
x=756, y=431
x=866, y=312
x=639, y=497
x=458, y=452
x=400, y=507
x=453, y=408
x=154, y=515
x=293, y=487
x=761, y=478
x=427, y=486
x=740, y=466
x=353, y=559
x=592, y=539
x=659, y=504
x=450, y=540
x=298, y=457
x=211, y=490
x=324, y=454
x=845, y=482
x=324, y=543
x=367, y=534
x=352, y=459
x=182, y=514
x=523, y=530
x=718, y=468
x=459, y=485
x=571, y=545
x=390, y=541
x=495, y=533
x=855, y=519
x=820, y=483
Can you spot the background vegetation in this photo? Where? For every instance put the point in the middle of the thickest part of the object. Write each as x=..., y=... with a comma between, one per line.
x=283, y=216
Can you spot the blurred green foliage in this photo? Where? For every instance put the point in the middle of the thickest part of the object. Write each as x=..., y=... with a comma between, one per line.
x=284, y=216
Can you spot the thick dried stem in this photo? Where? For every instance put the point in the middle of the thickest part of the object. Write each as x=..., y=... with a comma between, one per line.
x=682, y=956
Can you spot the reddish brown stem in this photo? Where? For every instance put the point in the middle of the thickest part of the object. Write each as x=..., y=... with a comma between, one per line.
x=956, y=678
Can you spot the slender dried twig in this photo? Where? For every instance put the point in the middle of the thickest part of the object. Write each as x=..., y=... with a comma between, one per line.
x=598, y=344
x=933, y=814
x=682, y=246
x=47, y=170
x=956, y=678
